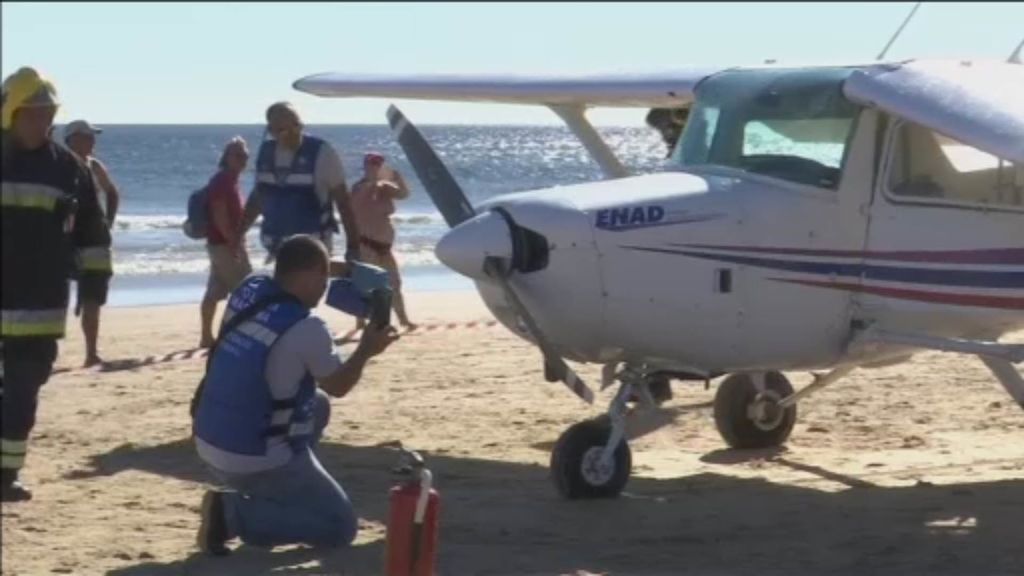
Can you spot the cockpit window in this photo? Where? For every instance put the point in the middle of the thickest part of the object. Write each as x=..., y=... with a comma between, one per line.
x=787, y=124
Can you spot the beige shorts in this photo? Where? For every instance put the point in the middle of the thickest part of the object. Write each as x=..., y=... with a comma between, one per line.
x=226, y=272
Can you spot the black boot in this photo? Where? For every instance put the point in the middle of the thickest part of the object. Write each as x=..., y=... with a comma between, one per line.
x=13, y=491
x=213, y=529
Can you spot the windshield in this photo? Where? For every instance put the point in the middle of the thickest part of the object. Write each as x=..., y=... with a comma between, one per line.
x=788, y=124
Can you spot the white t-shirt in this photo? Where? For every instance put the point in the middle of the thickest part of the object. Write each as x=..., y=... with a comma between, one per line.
x=328, y=172
x=305, y=347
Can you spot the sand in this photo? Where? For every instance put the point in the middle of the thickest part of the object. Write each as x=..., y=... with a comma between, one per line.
x=912, y=469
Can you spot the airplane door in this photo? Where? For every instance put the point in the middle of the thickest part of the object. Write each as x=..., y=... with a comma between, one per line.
x=802, y=290
x=945, y=245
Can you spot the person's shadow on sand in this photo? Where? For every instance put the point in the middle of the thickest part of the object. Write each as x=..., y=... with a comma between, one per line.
x=251, y=561
x=126, y=364
x=505, y=518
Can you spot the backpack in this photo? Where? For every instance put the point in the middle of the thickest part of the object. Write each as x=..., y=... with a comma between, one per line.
x=197, y=220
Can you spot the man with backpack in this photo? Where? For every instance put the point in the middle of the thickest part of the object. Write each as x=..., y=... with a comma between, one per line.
x=225, y=241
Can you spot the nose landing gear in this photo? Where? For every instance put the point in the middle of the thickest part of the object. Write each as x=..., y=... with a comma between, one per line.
x=592, y=459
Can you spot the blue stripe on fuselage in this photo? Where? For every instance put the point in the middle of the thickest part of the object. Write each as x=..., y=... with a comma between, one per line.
x=975, y=278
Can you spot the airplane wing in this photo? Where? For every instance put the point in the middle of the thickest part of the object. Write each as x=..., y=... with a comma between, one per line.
x=977, y=103
x=651, y=90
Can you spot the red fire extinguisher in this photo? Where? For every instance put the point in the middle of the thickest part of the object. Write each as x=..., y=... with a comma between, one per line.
x=412, y=522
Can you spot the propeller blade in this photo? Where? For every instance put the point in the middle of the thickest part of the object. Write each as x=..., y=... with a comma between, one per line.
x=552, y=360
x=456, y=209
x=439, y=183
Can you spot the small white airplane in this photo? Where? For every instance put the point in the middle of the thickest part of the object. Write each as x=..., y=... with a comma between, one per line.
x=822, y=218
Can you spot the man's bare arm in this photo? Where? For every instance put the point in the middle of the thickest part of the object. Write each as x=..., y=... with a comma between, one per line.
x=338, y=269
x=347, y=376
x=373, y=342
x=402, y=191
x=253, y=208
x=348, y=217
x=109, y=190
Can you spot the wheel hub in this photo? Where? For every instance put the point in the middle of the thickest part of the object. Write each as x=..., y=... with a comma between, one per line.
x=765, y=411
x=593, y=468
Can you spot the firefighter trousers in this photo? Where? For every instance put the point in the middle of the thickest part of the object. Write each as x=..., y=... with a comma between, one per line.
x=26, y=366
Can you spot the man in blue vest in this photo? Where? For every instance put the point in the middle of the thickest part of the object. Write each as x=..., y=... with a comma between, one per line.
x=260, y=414
x=298, y=176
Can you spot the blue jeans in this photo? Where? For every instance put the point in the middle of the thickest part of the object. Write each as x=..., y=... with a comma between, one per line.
x=298, y=503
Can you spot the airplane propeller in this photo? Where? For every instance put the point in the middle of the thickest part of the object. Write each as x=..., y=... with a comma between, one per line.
x=503, y=256
x=442, y=187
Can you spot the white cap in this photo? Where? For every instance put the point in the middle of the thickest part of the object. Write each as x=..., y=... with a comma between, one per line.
x=80, y=127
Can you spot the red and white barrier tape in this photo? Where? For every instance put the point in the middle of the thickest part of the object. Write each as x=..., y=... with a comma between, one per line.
x=352, y=335
x=196, y=353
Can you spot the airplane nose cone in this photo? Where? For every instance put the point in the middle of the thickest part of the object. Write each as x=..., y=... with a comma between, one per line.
x=464, y=248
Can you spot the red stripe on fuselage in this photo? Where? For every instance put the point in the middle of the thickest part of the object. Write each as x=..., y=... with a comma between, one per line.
x=1001, y=256
x=978, y=300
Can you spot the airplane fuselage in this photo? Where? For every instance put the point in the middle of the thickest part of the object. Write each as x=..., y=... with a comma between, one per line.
x=718, y=271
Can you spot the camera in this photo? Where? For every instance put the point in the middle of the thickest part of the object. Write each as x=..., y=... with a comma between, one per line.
x=364, y=293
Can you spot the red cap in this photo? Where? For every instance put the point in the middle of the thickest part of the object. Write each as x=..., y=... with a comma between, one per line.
x=373, y=158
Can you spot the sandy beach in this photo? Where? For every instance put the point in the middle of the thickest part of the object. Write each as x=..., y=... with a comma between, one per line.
x=912, y=469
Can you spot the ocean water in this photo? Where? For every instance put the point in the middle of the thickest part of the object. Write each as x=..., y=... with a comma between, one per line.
x=157, y=167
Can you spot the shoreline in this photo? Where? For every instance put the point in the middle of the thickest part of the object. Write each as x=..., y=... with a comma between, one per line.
x=143, y=290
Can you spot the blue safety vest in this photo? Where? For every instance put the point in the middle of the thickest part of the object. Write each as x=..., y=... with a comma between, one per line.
x=236, y=411
x=290, y=203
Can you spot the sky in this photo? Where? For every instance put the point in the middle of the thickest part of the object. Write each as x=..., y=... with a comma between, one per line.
x=223, y=63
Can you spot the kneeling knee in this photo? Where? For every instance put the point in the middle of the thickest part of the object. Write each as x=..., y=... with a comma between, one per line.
x=342, y=532
x=349, y=529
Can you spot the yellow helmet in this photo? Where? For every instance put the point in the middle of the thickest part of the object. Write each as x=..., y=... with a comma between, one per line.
x=26, y=88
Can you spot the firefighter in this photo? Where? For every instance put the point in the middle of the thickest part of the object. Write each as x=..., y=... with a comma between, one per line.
x=50, y=209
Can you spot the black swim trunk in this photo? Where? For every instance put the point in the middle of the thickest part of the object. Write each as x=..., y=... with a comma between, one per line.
x=378, y=247
x=93, y=288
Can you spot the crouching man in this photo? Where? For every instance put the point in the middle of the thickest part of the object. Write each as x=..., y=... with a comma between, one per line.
x=259, y=413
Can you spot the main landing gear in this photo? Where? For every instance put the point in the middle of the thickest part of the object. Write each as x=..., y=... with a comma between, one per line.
x=747, y=410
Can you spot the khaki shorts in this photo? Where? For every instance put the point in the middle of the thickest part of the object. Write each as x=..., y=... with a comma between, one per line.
x=226, y=272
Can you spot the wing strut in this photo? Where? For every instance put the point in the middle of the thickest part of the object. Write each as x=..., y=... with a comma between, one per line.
x=1015, y=58
x=999, y=358
x=575, y=117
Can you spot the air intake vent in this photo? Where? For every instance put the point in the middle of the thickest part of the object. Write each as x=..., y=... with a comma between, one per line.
x=530, y=249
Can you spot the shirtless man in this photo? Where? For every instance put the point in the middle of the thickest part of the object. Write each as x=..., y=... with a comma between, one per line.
x=97, y=269
x=373, y=202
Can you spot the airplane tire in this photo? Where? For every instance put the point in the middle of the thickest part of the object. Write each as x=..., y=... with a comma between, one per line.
x=575, y=469
x=735, y=396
